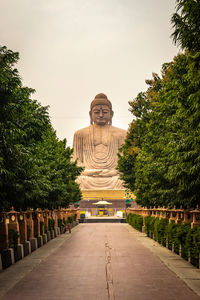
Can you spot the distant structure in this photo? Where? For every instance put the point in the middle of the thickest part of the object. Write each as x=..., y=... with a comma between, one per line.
x=96, y=148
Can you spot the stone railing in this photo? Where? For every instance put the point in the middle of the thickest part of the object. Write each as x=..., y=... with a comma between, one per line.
x=178, y=216
x=25, y=231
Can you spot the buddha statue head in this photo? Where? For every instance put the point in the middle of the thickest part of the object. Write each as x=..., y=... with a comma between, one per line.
x=101, y=110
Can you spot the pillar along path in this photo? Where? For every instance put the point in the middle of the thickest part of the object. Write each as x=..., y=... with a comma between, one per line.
x=98, y=261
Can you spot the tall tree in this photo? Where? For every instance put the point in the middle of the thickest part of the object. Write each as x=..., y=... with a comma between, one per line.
x=186, y=24
x=35, y=167
x=165, y=168
x=141, y=108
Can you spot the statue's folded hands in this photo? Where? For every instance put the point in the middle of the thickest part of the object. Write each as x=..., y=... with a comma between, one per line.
x=93, y=172
x=99, y=172
x=108, y=173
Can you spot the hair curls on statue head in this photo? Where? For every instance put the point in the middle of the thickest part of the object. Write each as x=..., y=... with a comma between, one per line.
x=101, y=99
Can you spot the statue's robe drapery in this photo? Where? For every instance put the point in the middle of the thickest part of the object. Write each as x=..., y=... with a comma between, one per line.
x=96, y=148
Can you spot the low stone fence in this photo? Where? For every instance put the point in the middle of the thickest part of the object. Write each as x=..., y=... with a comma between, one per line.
x=23, y=232
x=178, y=216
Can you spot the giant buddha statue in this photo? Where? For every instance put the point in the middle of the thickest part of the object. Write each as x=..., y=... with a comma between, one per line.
x=96, y=148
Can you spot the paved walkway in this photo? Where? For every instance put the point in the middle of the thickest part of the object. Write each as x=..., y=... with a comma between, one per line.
x=100, y=261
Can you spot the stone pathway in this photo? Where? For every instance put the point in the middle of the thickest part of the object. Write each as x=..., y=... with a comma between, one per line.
x=100, y=261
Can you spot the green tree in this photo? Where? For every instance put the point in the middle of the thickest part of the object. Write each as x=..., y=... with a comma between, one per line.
x=53, y=162
x=164, y=168
x=141, y=108
x=22, y=122
x=167, y=167
x=186, y=24
x=35, y=167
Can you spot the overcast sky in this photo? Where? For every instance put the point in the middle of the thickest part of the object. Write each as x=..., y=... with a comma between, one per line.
x=71, y=50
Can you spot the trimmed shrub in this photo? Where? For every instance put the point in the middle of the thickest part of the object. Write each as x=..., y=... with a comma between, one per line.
x=135, y=220
x=159, y=230
x=149, y=225
x=174, y=235
x=60, y=222
x=192, y=245
x=41, y=227
x=13, y=238
x=170, y=234
x=51, y=224
x=69, y=219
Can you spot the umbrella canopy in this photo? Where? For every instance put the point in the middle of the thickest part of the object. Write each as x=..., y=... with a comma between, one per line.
x=102, y=202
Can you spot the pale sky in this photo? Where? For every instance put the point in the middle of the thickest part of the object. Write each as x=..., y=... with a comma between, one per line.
x=71, y=50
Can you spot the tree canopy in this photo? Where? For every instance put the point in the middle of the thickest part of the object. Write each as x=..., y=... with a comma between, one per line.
x=186, y=24
x=160, y=159
x=35, y=167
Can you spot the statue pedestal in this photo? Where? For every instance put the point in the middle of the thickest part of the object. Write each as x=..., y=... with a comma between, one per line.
x=105, y=194
x=116, y=198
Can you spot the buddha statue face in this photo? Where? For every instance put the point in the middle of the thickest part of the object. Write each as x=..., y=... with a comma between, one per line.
x=101, y=110
x=101, y=115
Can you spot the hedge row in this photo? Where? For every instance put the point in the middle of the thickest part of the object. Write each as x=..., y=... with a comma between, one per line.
x=181, y=238
x=135, y=220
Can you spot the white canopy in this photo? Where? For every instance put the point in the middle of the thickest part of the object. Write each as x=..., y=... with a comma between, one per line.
x=102, y=202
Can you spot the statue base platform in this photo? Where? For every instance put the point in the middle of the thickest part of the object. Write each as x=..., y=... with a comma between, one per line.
x=103, y=194
x=114, y=199
x=99, y=203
